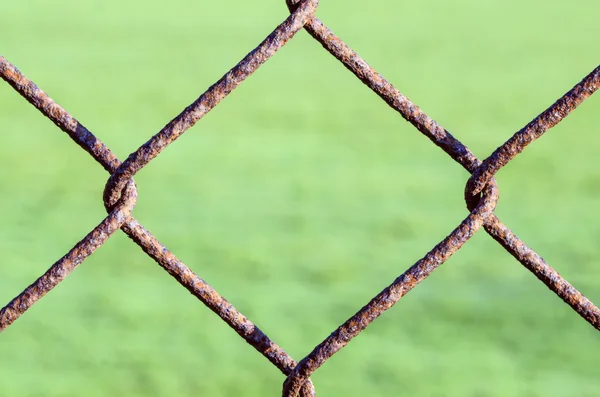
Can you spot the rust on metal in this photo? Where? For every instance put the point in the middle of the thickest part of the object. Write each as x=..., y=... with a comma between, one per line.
x=535, y=129
x=207, y=101
x=198, y=287
x=120, y=195
x=392, y=294
x=58, y=115
x=64, y=266
x=409, y=111
x=544, y=272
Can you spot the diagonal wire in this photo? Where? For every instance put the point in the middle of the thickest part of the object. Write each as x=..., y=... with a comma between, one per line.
x=392, y=294
x=207, y=101
x=463, y=156
x=442, y=138
x=481, y=195
x=149, y=244
x=533, y=130
x=65, y=265
x=252, y=334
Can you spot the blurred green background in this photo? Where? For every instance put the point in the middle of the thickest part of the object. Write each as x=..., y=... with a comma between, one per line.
x=299, y=198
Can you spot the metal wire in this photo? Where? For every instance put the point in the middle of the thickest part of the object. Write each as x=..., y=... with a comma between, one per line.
x=120, y=196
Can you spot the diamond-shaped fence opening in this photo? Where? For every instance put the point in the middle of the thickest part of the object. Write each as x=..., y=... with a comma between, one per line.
x=120, y=196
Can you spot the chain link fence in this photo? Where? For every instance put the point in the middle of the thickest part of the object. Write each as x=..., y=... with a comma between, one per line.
x=120, y=196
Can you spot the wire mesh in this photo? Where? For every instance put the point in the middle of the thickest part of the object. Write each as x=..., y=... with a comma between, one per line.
x=120, y=196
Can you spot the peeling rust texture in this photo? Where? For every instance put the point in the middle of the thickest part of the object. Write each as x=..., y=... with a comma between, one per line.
x=411, y=112
x=149, y=244
x=392, y=294
x=120, y=195
x=207, y=101
x=58, y=115
x=461, y=154
x=535, y=129
x=64, y=266
x=545, y=273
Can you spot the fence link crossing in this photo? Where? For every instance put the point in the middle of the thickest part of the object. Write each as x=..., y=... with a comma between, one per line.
x=120, y=197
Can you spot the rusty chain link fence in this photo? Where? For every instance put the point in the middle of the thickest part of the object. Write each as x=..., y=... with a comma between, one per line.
x=120, y=195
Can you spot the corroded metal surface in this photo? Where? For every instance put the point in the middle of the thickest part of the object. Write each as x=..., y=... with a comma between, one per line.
x=120, y=195
x=207, y=101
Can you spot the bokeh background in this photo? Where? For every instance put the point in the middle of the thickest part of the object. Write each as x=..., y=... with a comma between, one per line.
x=299, y=198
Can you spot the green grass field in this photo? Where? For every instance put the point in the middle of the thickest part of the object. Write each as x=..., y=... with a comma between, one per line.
x=298, y=198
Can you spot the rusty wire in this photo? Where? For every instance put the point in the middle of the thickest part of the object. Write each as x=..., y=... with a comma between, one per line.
x=120, y=196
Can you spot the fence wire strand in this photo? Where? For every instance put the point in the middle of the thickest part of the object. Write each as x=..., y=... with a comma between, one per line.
x=120, y=196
